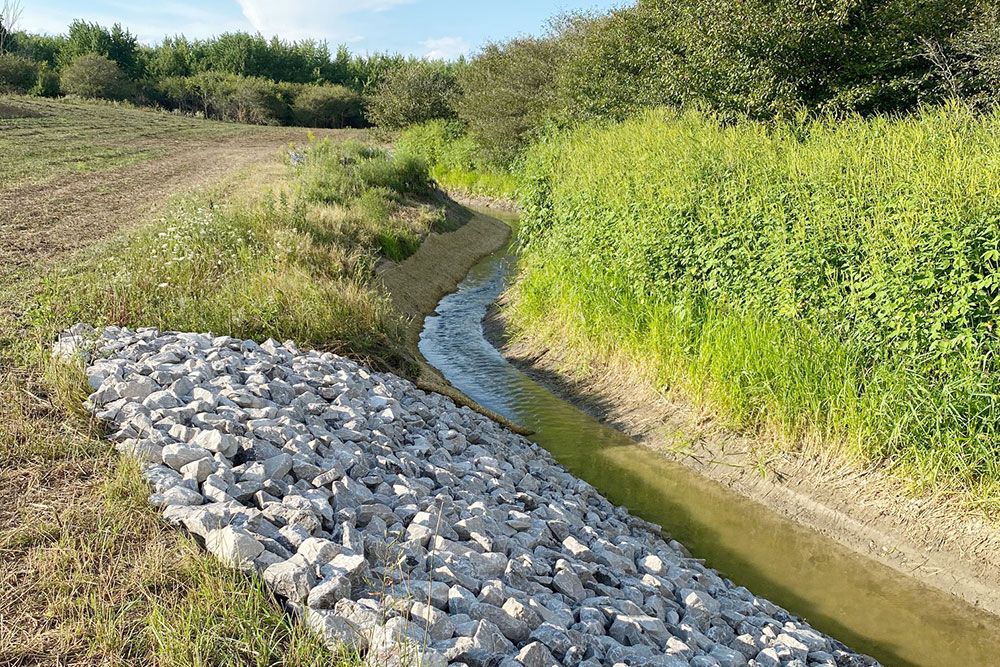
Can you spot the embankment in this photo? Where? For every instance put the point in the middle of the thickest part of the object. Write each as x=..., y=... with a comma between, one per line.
x=933, y=539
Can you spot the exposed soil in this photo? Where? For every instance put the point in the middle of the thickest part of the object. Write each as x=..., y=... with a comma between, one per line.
x=42, y=223
x=417, y=284
x=932, y=538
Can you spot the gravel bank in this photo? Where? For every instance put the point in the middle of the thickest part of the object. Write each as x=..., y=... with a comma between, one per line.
x=410, y=529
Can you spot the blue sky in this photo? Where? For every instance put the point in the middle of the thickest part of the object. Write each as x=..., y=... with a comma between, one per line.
x=434, y=28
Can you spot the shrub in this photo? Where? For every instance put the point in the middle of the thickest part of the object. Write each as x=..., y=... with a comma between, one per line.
x=509, y=94
x=415, y=92
x=47, y=82
x=229, y=97
x=838, y=281
x=17, y=74
x=96, y=76
x=327, y=106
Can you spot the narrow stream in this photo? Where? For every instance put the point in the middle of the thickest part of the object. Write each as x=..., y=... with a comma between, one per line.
x=866, y=605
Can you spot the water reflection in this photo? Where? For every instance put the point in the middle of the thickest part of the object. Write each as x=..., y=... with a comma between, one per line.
x=864, y=604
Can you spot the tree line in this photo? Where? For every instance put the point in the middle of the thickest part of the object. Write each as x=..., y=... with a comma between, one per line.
x=757, y=59
x=761, y=60
x=236, y=76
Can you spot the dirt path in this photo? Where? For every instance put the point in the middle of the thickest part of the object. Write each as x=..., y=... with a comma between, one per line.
x=39, y=224
x=931, y=538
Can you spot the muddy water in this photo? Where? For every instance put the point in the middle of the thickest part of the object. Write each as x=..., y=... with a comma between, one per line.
x=864, y=604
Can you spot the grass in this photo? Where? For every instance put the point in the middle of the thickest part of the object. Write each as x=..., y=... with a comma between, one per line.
x=42, y=140
x=832, y=283
x=94, y=575
x=455, y=161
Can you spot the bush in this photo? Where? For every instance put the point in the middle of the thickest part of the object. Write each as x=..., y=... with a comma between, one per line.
x=838, y=281
x=327, y=106
x=17, y=74
x=47, y=83
x=415, y=92
x=95, y=76
x=238, y=99
x=509, y=95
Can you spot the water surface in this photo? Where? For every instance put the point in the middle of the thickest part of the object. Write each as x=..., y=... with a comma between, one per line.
x=864, y=604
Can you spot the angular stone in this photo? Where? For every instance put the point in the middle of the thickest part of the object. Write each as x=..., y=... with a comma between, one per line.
x=338, y=632
x=513, y=629
x=177, y=456
x=354, y=566
x=333, y=588
x=293, y=578
x=578, y=550
x=216, y=441
x=318, y=551
x=233, y=546
x=437, y=623
x=198, y=470
x=535, y=654
x=569, y=585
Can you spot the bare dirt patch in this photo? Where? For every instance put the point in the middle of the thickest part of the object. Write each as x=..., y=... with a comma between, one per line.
x=932, y=538
x=42, y=223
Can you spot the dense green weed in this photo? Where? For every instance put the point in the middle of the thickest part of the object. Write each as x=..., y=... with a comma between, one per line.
x=837, y=281
x=455, y=160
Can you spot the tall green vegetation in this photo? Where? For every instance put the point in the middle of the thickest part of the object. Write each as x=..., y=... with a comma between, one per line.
x=416, y=92
x=838, y=281
x=455, y=159
x=758, y=59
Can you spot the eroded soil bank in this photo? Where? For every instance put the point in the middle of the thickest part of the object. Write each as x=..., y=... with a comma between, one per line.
x=930, y=538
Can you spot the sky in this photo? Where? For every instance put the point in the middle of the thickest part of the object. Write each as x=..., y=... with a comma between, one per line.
x=425, y=28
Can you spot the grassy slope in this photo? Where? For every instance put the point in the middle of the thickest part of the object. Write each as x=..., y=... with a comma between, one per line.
x=96, y=577
x=833, y=284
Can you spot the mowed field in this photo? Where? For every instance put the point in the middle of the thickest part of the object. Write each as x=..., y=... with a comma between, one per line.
x=71, y=172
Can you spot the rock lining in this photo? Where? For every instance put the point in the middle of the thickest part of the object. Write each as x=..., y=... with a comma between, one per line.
x=407, y=529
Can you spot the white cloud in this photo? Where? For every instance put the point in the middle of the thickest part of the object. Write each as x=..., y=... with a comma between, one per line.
x=317, y=19
x=445, y=48
x=150, y=24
